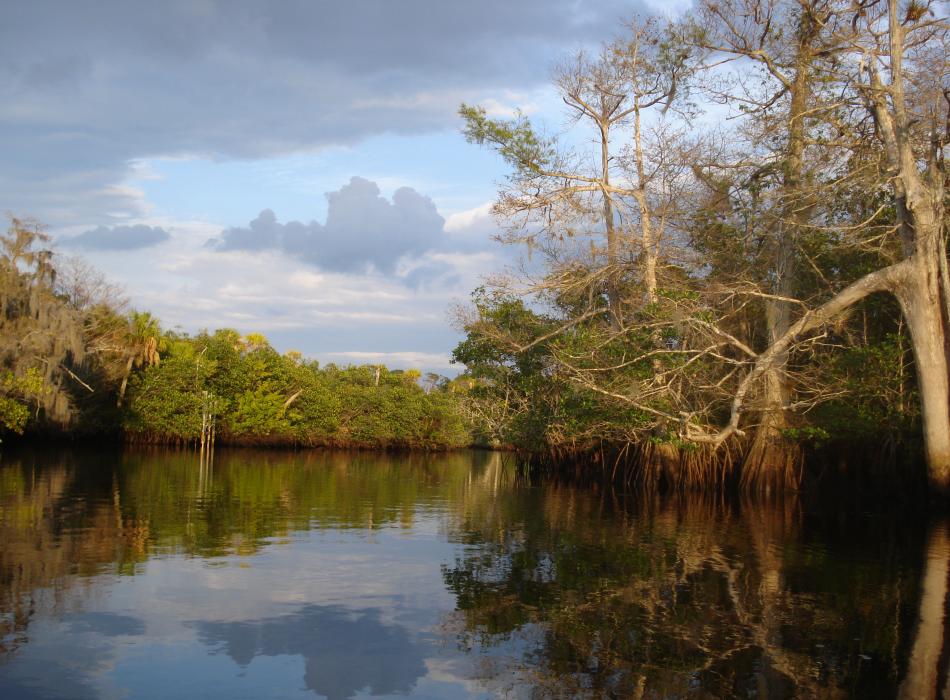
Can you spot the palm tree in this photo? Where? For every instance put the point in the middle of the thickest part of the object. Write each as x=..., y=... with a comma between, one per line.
x=144, y=343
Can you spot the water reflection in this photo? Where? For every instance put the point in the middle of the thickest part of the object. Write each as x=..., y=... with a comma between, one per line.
x=105, y=623
x=136, y=563
x=344, y=651
x=922, y=679
x=340, y=575
x=688, y=598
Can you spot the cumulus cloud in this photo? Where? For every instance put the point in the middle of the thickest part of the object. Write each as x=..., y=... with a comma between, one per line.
x=326, y=315
x=364, y=231
x=118, y=238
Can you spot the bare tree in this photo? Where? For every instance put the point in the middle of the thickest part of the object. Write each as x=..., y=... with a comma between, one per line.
x=616, y=193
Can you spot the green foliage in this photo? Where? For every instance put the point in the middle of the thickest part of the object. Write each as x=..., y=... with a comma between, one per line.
x=259, y=413
x=14, y=393
x=165, y=400
x=257, y=396
x=521, y=393
x=879, y=388
x=514, y=139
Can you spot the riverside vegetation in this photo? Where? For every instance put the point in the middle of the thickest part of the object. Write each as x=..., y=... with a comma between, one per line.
x=74, y=361
x=701, y=304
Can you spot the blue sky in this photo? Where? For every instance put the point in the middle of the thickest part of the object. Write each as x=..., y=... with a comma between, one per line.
x=456, y=175
x=173, y=144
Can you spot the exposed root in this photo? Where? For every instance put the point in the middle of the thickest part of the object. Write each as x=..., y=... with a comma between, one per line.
x=647, y=466
x=773, y=463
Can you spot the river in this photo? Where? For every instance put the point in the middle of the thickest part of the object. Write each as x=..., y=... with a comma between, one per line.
x=153, y=574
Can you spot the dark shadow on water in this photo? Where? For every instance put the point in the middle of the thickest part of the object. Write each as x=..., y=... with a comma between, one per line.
x=344, y=651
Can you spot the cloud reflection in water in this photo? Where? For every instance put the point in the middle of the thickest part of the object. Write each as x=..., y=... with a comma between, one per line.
x=345, y=651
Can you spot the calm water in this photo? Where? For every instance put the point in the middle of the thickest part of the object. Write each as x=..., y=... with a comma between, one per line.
x=147, y=575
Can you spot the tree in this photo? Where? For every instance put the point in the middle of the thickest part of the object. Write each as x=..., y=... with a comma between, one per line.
x=15, y=393
x=781, y=98
x=40, y=335
x=624, y=194
x=894, y=129
x=143, y=344
x=828, y=190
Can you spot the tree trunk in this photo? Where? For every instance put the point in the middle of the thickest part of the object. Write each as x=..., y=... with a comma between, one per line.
x=613, y=242
x=922, y=305
x=125, y=382
x=773, y=462
x=773, y=459
x=919, y=197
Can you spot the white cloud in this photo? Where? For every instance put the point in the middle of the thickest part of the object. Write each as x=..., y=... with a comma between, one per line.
x=669, y=8
x=394, y=359
x=469, y=218
x=350, y=315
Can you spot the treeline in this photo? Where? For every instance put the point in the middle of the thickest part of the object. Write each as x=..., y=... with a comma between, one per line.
x=254, y=395
x=73, y=361
x=736, y=250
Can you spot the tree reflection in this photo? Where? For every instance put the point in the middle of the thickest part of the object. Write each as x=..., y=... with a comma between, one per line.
x=922, y=680
x=589, y=596
x=66, y=517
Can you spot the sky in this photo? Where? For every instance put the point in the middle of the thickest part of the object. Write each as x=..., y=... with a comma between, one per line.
x=292, y=168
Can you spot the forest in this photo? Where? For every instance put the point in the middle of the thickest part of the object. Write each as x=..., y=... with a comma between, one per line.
x=75, y=362
x=734, y=255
